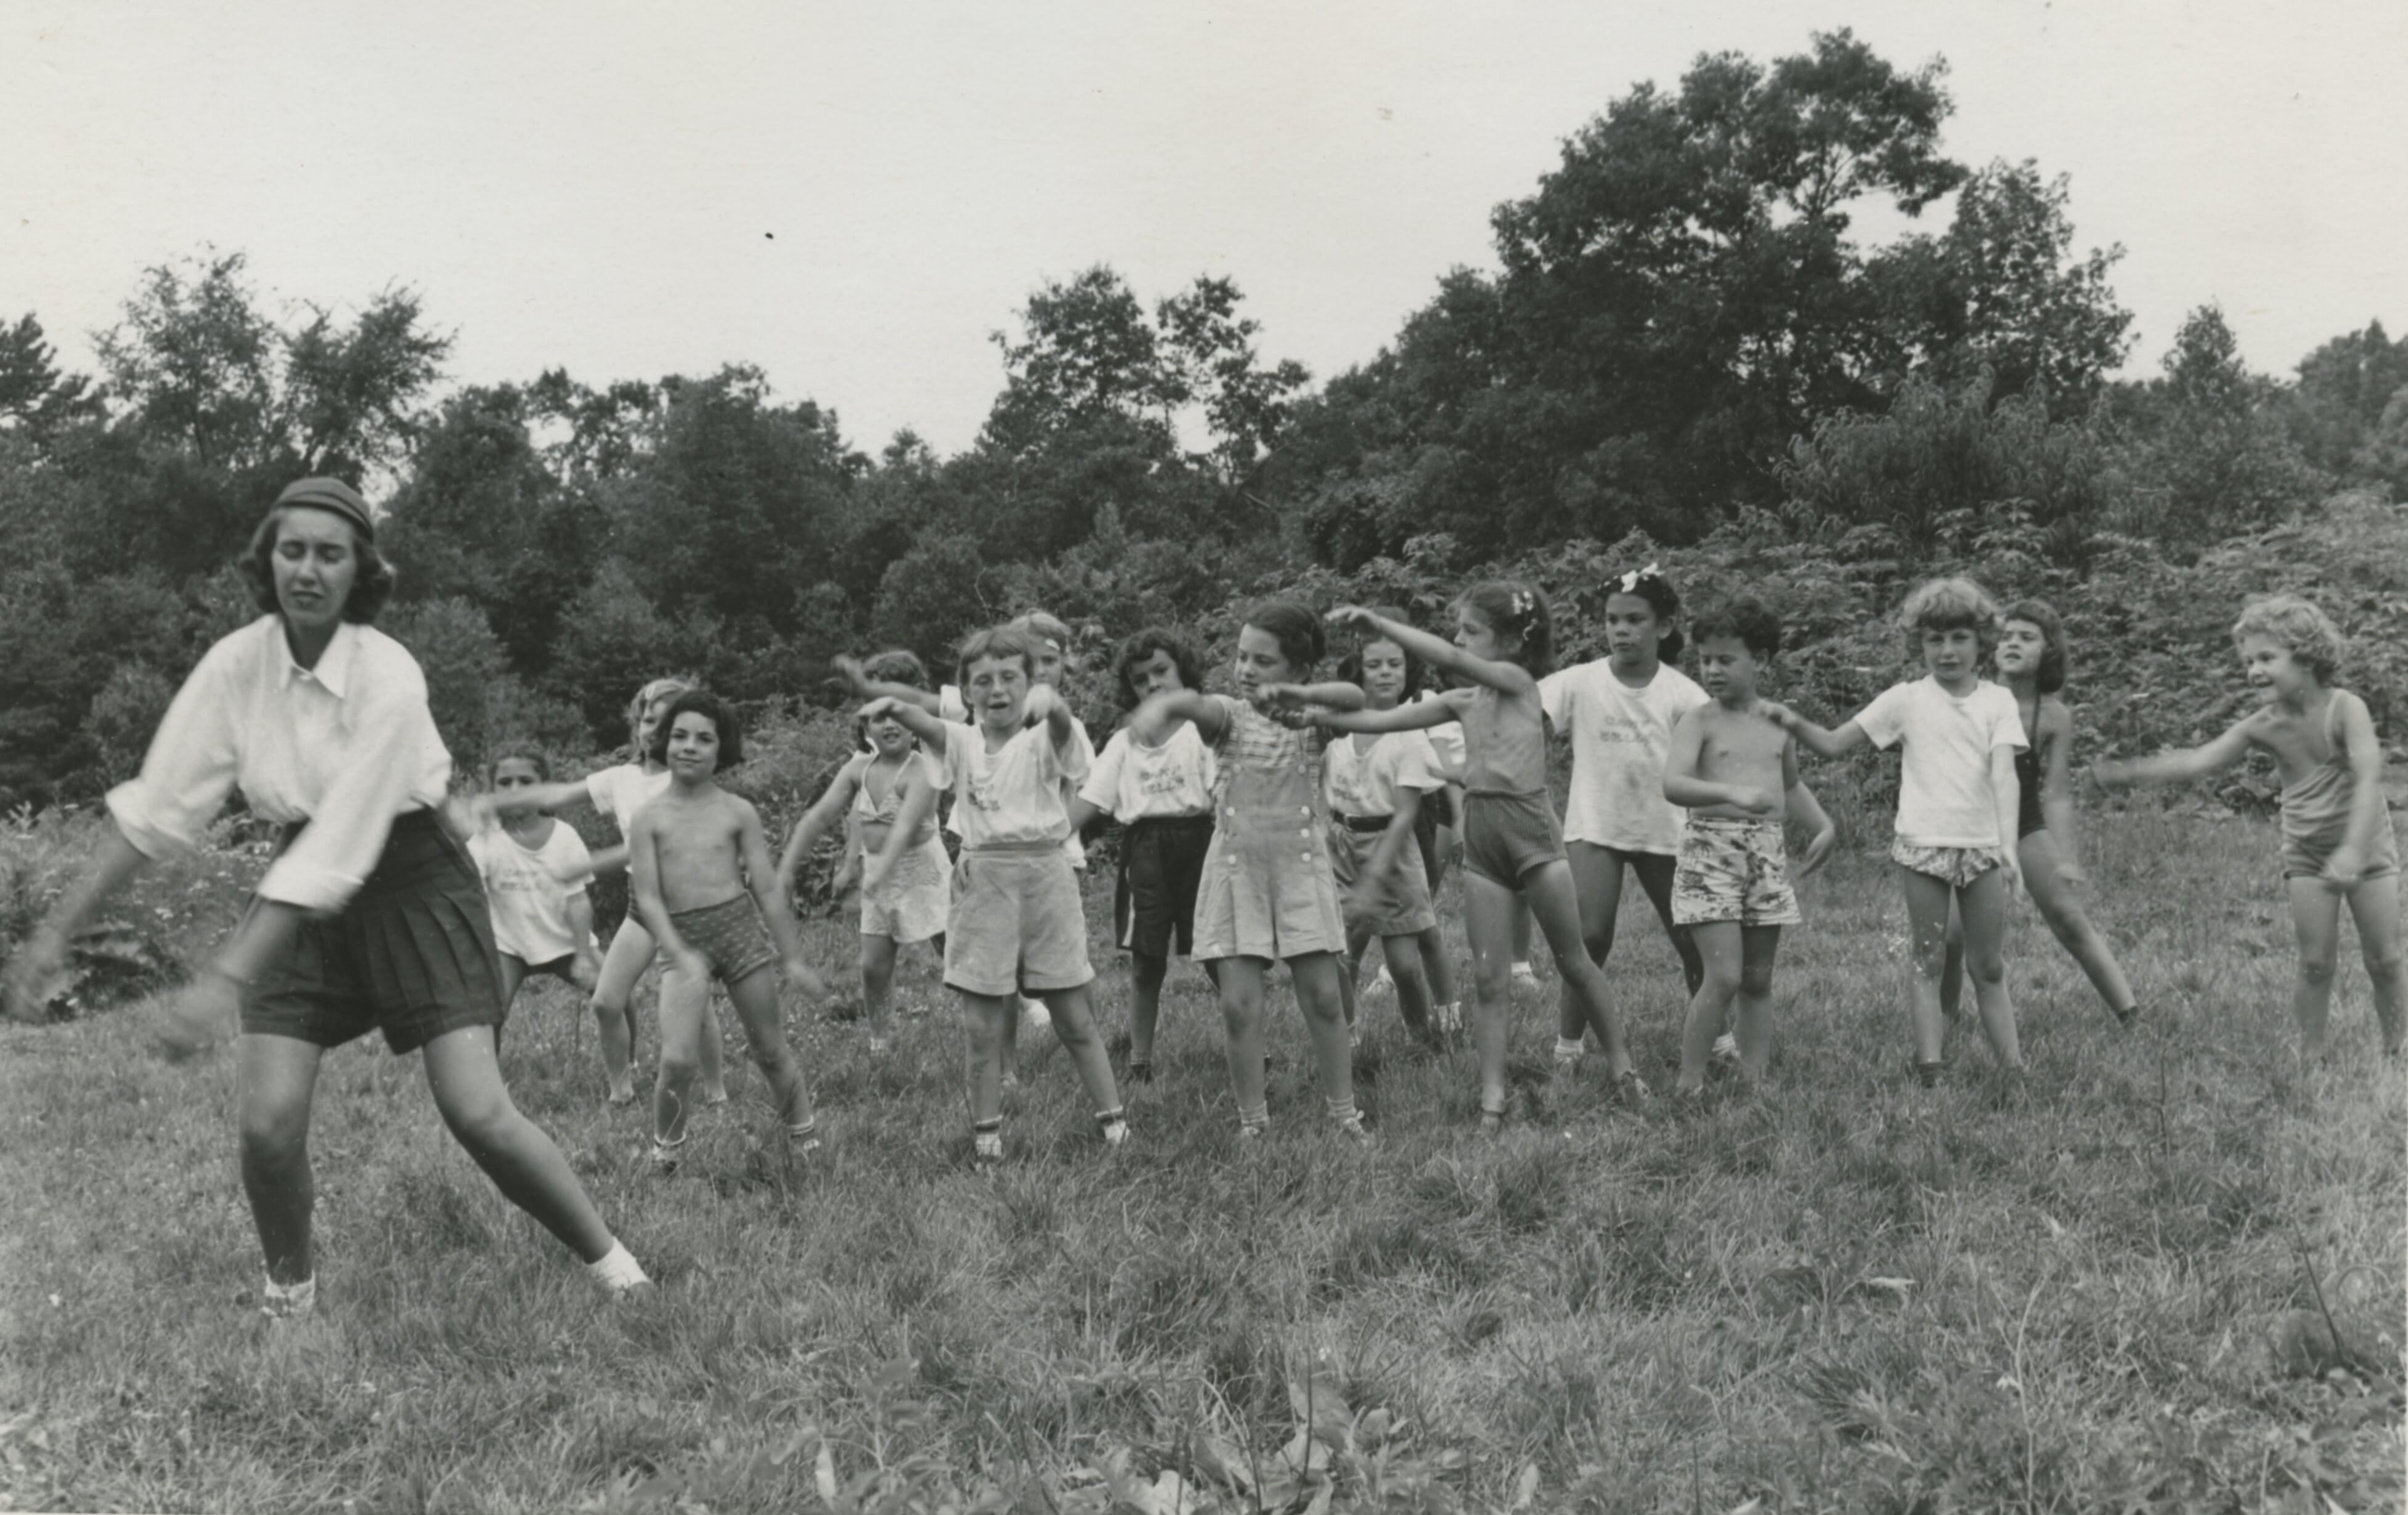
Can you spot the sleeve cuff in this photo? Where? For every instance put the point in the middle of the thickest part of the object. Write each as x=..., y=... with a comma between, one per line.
x=308, y=886
x=129, y=807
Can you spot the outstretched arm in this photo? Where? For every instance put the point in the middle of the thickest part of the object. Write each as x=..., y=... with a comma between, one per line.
x=1437, y=711
x=919, y=803
x=1820, y=740
x=1804, y=810
x=814, y=824
x=1505, y=678
x=2180, y=765
x=1337, y=695
x=42, y=956
x=1158, y=715
x=920, y=721
x=865, y=688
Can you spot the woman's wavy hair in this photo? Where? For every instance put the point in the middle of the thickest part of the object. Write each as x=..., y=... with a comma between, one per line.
x=371, y=587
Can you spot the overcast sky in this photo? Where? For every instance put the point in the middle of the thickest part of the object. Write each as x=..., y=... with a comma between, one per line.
x=855, y=196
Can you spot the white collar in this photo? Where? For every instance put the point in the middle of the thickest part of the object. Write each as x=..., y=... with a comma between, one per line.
x=334, y=670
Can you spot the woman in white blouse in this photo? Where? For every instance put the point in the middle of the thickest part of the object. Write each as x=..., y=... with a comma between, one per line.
x=371, y=918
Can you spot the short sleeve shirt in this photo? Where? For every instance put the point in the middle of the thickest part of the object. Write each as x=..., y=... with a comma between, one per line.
x=1620, y=738
x=1366, y=783
x=1944, y=797
x=1013, y=794
x=528, y=889
x=1131, y=781
x=618, y=793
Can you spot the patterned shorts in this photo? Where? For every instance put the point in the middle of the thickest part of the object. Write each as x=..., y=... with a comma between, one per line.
x=1732, y=870
x=1958, y=868
x=729, y=936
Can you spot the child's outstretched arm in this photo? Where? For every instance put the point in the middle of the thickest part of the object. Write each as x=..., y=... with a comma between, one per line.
x=1685, y=787
x=2182, y=764
x=1157, y=716
x=918, y=803
x=1435, y=711
x=1337, y=695
x=822, y=814
x=1820, y=740
x=919, y=720
x=2368, y=809
x=865, y=688
x=1804, y=810
x=1504, y=678
x=1046, y=706
x=752, y=845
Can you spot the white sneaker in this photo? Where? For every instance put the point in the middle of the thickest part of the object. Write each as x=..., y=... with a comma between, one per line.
x=1524, y=973
x=1726, y=1048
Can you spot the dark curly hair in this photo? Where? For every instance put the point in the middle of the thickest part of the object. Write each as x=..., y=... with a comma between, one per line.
x=1142, y=646
x=701, y=702
x=370, y=587
x=1742, y=616
x=2054, y=653
x=1661, y=597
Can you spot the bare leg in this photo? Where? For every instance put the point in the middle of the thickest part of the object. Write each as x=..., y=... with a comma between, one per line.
x=711, y=1055
x=275, y=1081
x=1721, y=944
x=877, y=982
x=1146, y=975
x=983, y=1018
x=2316, y=917
x=1548, y=890
x=2374, y=905
x=1241, y=1018
x=1520, y=927
x=1072, y=1012
x=1753, y=1024
x=513, y=1149
x=1412, y=989
x=1655, y=871
x=686, y=1008
x=1927, y=919
x=1982, y=905
x=513, y=972
x=613, y=1004
x=757, y=1008
x=2058, y=906
x=1489, y=908
x=1952, y=969
x=1315, y=976
x=1596, y=879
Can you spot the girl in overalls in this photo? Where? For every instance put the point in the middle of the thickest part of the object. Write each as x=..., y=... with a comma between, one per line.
x=1267, y=892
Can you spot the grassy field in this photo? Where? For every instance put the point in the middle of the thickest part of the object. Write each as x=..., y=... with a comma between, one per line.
x=1840, y=1293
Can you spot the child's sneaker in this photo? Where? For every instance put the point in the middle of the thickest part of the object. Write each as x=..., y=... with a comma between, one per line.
x=1927, y=1073
x=1631, y=1087
x=986, y=1151
x=1567, y=1055
x=879, y=1046
x=1381, y=984
x=1140, y=1070
x=1524, y=976
x=1354, y=1130
x=665, y=1154
x=1448, y=1018
x=1727, y=1049
x=1492, y=1123
x=803, y=1141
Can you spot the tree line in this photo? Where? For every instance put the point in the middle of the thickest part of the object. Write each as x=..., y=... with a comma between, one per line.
x=1683, y=330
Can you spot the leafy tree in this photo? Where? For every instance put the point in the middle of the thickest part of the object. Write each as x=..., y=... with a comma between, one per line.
x=2003, y=291
x=2337, y=411
x=2202, y=453
x=36, y=398
x=612, y=639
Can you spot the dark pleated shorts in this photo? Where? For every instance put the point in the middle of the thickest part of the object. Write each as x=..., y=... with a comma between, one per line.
x=412, y=955
x=1162, y=865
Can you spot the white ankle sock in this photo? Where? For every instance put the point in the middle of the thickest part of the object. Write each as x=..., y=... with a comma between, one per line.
x=617, y=1269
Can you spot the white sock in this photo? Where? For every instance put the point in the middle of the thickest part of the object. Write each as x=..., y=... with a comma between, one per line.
x=1569, y=1048
x=289, y=1299
x=617, y=1269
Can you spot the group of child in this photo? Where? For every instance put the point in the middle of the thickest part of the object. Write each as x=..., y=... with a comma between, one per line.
x=1292, y=820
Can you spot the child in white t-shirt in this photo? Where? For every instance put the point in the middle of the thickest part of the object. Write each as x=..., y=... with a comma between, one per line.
x=1162, y=795
x=1619, y=712
x=535, y=871
x=1956, y=805
x=1016, y=916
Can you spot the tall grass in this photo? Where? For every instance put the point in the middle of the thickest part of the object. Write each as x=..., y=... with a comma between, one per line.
x=1841, y=1293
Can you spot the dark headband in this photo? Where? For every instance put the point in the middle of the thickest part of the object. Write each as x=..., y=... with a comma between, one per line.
x=334, y=496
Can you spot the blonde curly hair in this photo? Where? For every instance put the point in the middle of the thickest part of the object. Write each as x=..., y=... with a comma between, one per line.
x=2304, y=631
